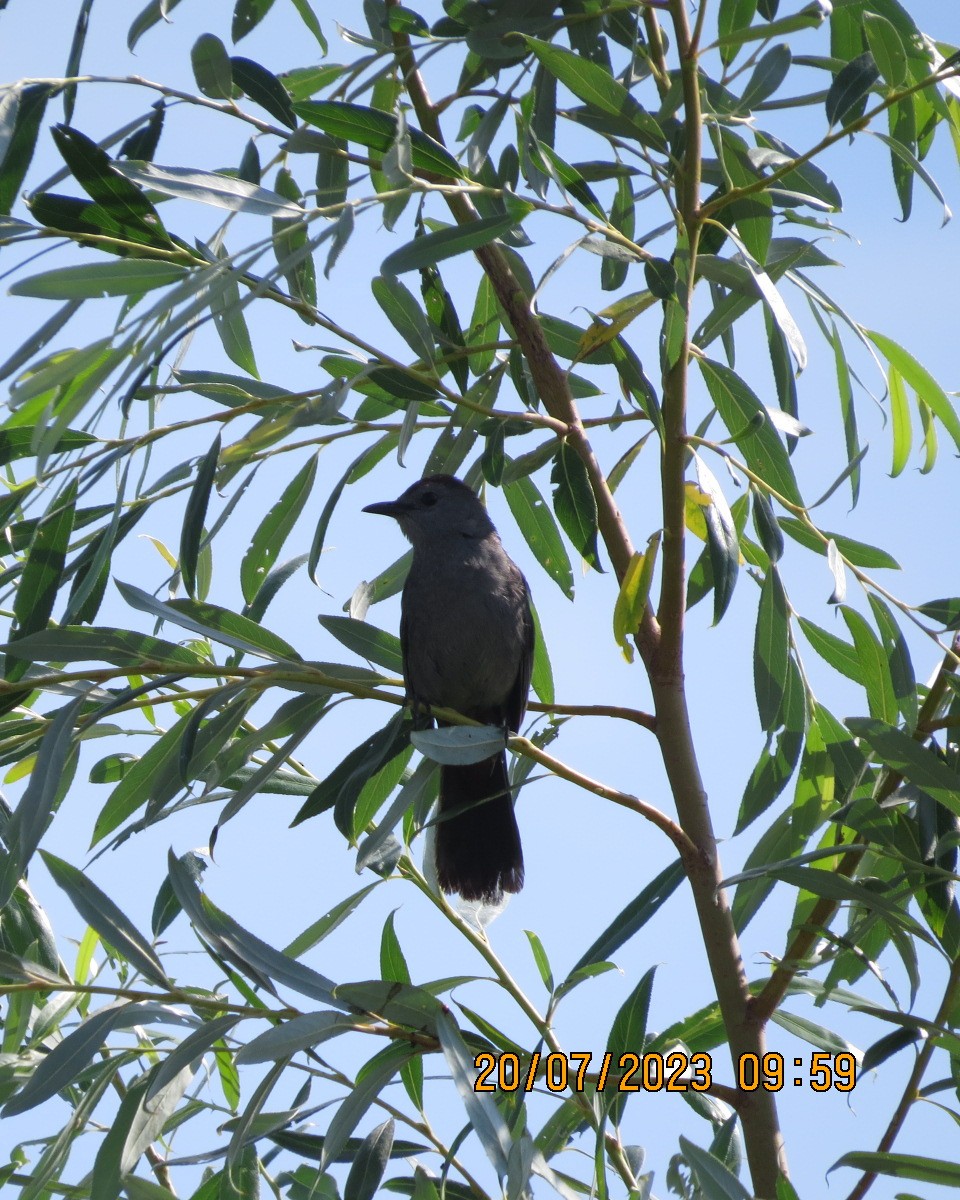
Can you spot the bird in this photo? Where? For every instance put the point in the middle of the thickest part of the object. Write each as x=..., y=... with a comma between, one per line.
x=467, y=641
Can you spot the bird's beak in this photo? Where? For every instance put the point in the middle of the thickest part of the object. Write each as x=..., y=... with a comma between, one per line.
x=386, y=508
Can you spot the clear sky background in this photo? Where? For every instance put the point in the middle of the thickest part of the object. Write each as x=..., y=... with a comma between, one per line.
x=585, y=858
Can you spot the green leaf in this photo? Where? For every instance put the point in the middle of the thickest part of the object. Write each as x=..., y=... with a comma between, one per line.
x=922, y=382
x=771, y=650
x=596, y=87
x=574, y=502
x=101, y=914
x=378, y=131
x=375, y=645
x=211, y=621
x=899, y=662
x=247, y=15
x=21, y=143
x=191, y=533
x=124, y=277
x=370, y=1082
x=900, y=420
x=721, y=539
x=206, y=187
x=715, y=1180
x=779, y=757
x=858, y=553
x=153, y=778
x=886, y=47
x=907, y=757
x=369, y=1163
x=28, y=823
x=874, y=669
x=274, y=529
x=264, y=88
x=241, y=947
x=740, y=410
x=104, y=181
x=43, y=572
x=459, y=745
x=98, y=643
x=851, y=84
x=404, y=314
x=211, y=67
x=733, y=17
x=945, y=612
x=342, y=786
x=540, y=531
x=432, y=248
x=902, y=1166
x=634, y=916
x=832, y=649
x=61, y=1066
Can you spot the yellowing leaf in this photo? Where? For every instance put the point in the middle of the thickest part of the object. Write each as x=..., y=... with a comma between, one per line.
x=632, y=600
x=694, y=502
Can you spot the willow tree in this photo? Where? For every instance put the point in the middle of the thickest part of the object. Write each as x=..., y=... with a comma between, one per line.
x=651, y=135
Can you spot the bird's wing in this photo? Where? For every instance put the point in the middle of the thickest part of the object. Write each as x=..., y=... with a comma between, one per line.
x=517, y=700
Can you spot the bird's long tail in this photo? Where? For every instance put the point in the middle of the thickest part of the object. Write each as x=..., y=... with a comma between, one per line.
x=478, y=850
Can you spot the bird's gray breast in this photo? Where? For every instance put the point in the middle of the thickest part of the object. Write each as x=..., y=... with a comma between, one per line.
x=463, y=627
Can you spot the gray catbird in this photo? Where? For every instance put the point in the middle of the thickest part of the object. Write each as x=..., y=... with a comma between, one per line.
x=466, y=633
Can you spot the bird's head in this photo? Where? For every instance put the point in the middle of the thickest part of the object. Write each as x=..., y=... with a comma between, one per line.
x=437, y=507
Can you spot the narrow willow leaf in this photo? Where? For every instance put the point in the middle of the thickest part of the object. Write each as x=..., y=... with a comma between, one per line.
x=858, y=553
x=459, y=745
x=874, y=667
x=540, y=531
x=721, y=538
x=369, y=1163
x=274, y=529
x=66, y=1060
x=374, y=1076
x=43, y=572
x=375, y=645
x=241, y=947
x=780, y=755
x=832, y=649
x=903, y=754
x=264, y=88
x=205, y=187
x=192, y=531
x=125, y=277
x=761, y=447
x=211, y=67
x=26, y=826
x=101, y=914
x=404, y=313
x=153, y=778
x=898, y=657
x=596, y=87
x=190, y=1051
x=574, y=502
x=900, y=420
x=886, y=47
x=850, y=85
x=482, y=1112
x=341, y=788
x=713, y=1177
x=633, y=917
x=922, y=382
x=378, y=131
x=211, y=621
x=771, y=649
x=432, y=248
x=902, y=1166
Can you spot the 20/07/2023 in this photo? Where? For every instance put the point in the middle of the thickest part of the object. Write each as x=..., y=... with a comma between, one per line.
x=675, y=1071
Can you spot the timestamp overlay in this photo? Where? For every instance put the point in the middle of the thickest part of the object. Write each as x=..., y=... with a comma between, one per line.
x=673, y=1071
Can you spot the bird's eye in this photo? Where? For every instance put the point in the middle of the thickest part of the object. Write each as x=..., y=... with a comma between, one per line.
x=428, y=499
